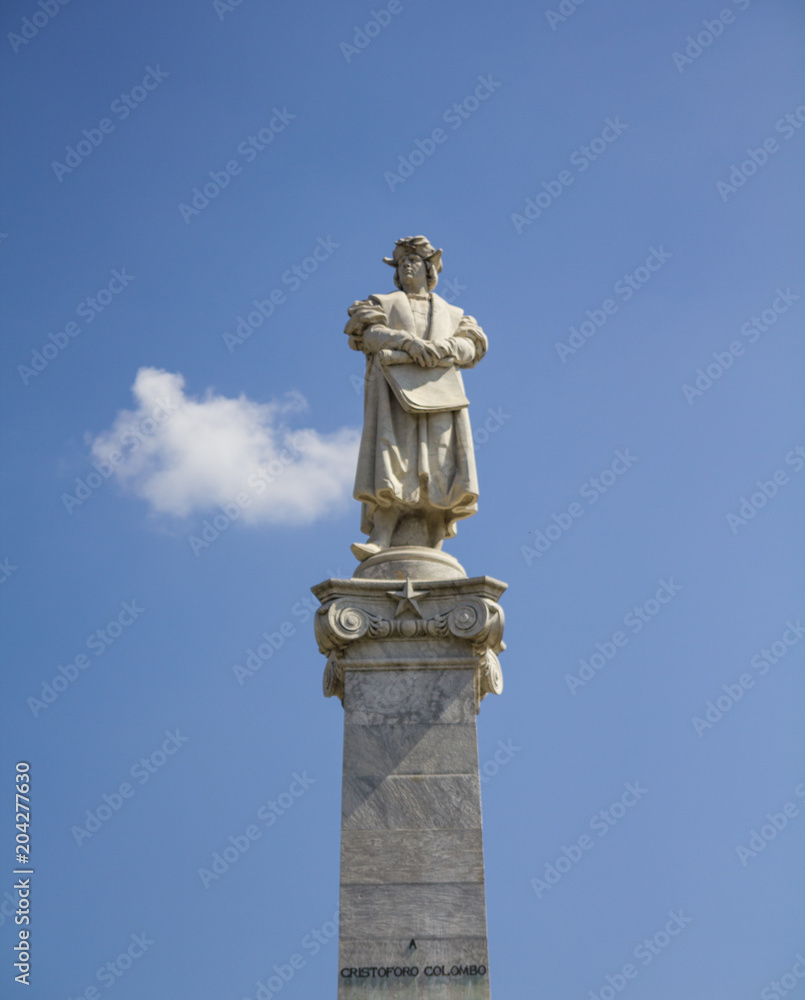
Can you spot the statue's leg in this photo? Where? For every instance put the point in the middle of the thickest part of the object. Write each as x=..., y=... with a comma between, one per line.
x=383, y=524
x=383, y=528
x=437, y=528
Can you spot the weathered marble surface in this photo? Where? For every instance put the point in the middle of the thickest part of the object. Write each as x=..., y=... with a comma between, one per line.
x=409, y=697
x=411, y=664
x=432, y=910
x=411, y=748
x=392, y=625
x=411, y=802
x=414, y=561
x=411, y=856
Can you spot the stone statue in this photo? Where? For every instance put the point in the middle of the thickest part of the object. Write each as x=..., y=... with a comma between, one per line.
x=416, y=468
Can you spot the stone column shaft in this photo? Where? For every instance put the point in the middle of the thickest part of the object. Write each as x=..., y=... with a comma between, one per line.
x=411, y=671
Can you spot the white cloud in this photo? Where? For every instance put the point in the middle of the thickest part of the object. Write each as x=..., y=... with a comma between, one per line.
x=185, y=455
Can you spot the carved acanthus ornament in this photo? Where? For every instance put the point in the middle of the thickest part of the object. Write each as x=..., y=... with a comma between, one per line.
x=478, y=621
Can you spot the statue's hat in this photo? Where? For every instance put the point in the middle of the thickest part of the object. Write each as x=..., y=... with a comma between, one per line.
x=419, y=245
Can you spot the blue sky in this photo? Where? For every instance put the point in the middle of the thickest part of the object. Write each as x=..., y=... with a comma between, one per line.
x=618, y=196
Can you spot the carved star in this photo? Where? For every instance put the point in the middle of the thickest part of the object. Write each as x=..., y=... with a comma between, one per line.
x=407, y=595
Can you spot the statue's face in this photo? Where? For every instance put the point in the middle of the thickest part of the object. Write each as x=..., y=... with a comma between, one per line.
x=413, y=273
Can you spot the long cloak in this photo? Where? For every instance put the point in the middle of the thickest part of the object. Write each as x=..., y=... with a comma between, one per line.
x=421, y=461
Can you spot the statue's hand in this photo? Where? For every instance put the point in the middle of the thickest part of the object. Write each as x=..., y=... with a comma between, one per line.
x=423, y=353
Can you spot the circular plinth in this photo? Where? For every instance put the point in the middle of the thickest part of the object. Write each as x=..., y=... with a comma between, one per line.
x=412, y=561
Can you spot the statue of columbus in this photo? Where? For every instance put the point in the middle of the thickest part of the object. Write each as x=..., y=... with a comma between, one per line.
x=416, y=468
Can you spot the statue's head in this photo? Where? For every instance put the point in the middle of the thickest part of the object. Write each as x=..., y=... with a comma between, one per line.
x=416, y=247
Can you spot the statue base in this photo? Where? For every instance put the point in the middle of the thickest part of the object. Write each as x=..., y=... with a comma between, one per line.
x=411, y=663
x=413, y=561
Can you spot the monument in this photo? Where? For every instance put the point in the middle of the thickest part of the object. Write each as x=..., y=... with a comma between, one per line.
x=411, y=645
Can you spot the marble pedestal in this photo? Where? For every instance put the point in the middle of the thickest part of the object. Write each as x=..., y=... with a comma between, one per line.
x=411, y=661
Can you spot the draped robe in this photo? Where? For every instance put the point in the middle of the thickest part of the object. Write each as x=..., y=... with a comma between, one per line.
x=416, y=461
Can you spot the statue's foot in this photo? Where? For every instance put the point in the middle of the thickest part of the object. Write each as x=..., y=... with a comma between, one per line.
x=362, y=550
